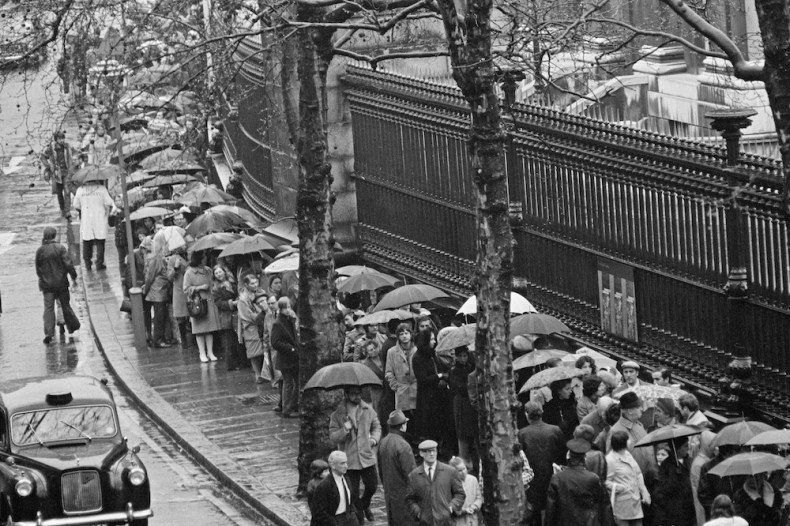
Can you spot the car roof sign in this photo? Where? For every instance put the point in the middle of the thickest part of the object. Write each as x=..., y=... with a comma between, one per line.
x=59, y=398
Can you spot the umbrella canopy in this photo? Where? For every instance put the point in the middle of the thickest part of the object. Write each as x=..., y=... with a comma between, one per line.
x=206, y=194
x=138, y=146
x=209, y=222
x=649, y=393
x=667, y=433
x=770, y=438
x=93, y=172
x=600, y=359
x=165, y=156
x=148, y=211
x=350, y=270
x=535, y=358
x=458, y=337
x=342, y=374
x=138, y=177
x=285, y=262
x=136, y=101
x=214, y=241
x=384, y=316
x=284, y=228
x=251, y=219
x=369, y=280
x=165, y=203
x=131, y=122
x=750, y=463
x=167, y=180
x=739, y=433
x=248, y=245
x=407, y=295
x=535, y=323
x=172, y=237
x=549, y=376
x=177, y=166
x=518, y=305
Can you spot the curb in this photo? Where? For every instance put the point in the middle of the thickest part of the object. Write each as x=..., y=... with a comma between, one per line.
x=166, y=417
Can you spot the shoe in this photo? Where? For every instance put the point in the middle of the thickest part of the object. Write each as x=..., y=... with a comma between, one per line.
x=47, y=339
x=101, y=266
x=170, y=343
x=290, y=415
x=161, y=345
x=204, y=359
x=62, y=329
x=368, y=514
x=260, y=380
x=278, y=409
x=212, y=357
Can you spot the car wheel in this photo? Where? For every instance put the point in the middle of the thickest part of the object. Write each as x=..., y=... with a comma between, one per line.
x=141, y=522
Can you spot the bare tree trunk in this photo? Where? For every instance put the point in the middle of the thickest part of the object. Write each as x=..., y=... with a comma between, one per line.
x=470, y=51
x=320, y=333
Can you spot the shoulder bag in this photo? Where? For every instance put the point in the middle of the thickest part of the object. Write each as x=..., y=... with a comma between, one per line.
x=197, y=306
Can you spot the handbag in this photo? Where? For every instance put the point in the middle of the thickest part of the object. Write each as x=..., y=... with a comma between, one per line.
x=197, y=306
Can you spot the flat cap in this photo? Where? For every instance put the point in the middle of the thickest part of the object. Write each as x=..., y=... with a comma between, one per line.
x=427, y=444
x=630, y=364
x=578, y=445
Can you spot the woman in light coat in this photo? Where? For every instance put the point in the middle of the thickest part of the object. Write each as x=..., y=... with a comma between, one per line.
x=625, y=483
x=399, y=373
x=470, y=510
x=199, y=278
x=252, y=302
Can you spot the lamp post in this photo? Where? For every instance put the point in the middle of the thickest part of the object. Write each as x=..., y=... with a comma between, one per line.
x=510, y=79
x=734, y=387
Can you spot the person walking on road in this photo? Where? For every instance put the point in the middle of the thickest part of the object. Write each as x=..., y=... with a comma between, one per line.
x=435, y=492
x=396, y=461
x=94, y=204
x=53, y=267
x=333, y=503
x=58, y=167
x=355, y=429
x=286, y=342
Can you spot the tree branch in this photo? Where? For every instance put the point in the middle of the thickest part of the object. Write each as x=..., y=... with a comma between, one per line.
x=391, y=56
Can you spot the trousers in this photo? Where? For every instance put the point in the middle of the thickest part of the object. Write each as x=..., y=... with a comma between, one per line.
x=72, y=322
x=290, y=391
x=87, y=252
x=368, y=477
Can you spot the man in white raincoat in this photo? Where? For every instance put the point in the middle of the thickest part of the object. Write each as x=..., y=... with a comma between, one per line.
x=94, y=204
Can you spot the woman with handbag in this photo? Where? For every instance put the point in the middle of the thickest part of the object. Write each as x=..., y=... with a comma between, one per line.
x=203, y=313
x=226, y=300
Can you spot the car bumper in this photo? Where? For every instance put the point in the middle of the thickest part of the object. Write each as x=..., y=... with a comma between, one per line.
x=102, y=518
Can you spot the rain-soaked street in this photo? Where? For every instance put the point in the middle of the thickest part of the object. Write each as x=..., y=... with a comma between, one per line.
x=182, y=492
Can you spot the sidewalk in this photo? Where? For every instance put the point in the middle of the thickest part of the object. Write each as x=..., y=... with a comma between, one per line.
x=221, y=418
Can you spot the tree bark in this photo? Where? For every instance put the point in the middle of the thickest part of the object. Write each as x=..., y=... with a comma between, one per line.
x=320, y=332
x=470, y=52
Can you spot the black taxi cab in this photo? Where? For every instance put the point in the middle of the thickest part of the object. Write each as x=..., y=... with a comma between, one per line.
x=63, y=459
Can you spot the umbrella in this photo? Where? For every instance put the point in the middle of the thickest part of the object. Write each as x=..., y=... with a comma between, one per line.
x=206, y=194
x=384, y=316
x=172, y=236
x=668, y=433
x=148, y=211
x=284, y=228
x=535, y=323
x=251, y=219
x=407, y=295
x=165, y=203
x=518, y=305
x=132, y=122
x=536, y=358
x=167, y=180
x=549, y=376
x=138, y=177
x=459, y=337
x=248, y=245
x=214, y=222
x=750, y=463
x=214, y=241
x=342, y=374
x=739, y=433
x=176, y=166
x=770, y=438
x=649, y=393
x=165, y=156
x=350, y=270
x=601, y=360
x=134, y=100
x=137, y=147
x=285, y=262
x=370, y=280
x=93, y=172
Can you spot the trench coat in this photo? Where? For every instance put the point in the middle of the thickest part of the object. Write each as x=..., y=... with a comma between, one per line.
x=356, y=444
x=464, y=413
x=430, y=501
x=543, y=444
x=176, y=276
x=625, y=481
x=396, y=461
x=285, y=342
x=94, y=204
x=400, y=375
x=194, y=277
x=433, y=406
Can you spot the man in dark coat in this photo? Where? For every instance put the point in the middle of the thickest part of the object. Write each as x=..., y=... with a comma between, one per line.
x=396, y=461
x=53, y=267
x=286, y=343
x=435, y=492
x=576, y=496
x=544, y=445
x=333, y=503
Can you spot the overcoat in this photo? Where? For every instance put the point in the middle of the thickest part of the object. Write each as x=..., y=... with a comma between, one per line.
x=285, y=342
x=433, y=408
x=94, y=203
x=399, y=374
x=194, y=277
x=325, y=501
x=576, y=497
x=673, y=503
x=543, y=445
x=429, y=500
x=396, y=461
x=356, y=444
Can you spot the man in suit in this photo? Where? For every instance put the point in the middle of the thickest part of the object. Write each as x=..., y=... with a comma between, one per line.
x=333, y=503
x=285, y=341
x=354, y=427
x=396, y=461
x=435, y=492
x=544, y=445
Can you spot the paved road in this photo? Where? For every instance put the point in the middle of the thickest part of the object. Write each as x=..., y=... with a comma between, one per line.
x=182, y=492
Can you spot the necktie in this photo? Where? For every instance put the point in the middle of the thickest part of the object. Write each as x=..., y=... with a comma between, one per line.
x=430, y=473
x=346, y=494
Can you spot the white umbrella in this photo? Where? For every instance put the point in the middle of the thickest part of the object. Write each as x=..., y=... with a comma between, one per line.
x=172, y=237
x=285, y=262
x=600, y=359
x=518, y=305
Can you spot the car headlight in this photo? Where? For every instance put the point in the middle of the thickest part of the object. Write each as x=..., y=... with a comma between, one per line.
x=136, y=476
x=24, y=487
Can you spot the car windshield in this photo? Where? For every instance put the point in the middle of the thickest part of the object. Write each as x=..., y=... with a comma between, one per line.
x=59, y=424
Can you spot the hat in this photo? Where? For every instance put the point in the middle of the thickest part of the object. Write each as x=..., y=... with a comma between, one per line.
x=630, y=364
x=608, y=378
x=396, y=418
x=427, y=444
x=630, y=400
x=260, y=295
x=666, y=405
x=578, y=445
x=520, y=343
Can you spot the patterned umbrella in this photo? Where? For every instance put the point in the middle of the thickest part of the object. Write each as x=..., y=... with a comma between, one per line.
x=342, y=374
x=177, y=166
x=549, y=376
x=649, y=393
x=739, y=433
x=750, y=463
x=535, y=323
x=206, y=194
x=458, y=337
x=407, y=295
x=384, y=316
x=536, y=358
x=369, y=280
x=668, y=433
x=518, y=305
x=214, y=241
x=168, y=155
